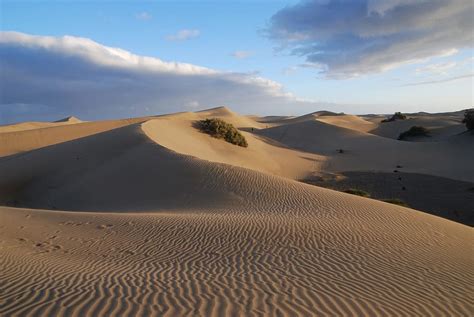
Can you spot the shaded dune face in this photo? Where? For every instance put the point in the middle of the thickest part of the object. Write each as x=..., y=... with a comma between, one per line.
x=16, y=140
x=144, y=226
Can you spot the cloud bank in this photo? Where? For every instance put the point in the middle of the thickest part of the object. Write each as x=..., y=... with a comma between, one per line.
x=45, y=78
x=346, y=38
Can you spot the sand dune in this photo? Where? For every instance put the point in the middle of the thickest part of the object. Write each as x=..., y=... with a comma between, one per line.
x=22, y=140
x=349, y=122
x=444, y=197
x=65, y=176
x=229, y=116
x=37, y=125
x=152, y=218
x=70, y=119
x=441, y=126
x=271, y=121
x=368, y=152
x=179, y=135
x=77, y=264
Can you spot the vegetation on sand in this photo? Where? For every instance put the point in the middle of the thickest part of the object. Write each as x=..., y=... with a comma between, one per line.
x=414, y=132
x=222, y=130
x=357, y=192
x=469, y=119
x=396, y=201
x=396, y=116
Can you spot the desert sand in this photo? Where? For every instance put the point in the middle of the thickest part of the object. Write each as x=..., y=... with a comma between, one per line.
x=150, y=217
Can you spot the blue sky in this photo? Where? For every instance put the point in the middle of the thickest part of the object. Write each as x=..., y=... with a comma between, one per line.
x=244, y=37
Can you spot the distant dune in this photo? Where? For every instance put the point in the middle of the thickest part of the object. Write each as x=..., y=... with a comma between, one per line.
x=151, y=217
x=37, y=125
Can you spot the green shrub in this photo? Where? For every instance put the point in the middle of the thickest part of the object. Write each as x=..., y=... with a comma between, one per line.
x=413, y=132
x=357, y=192
x=222, y=130
x=396, y=116
x=396, y=201
x=469, y=119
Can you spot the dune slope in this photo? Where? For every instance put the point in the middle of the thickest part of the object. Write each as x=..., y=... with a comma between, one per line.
x=37, y=125
x=356, y=260
x=368, y=152
x=12, y=142
x=349, y=122
x=179, y=135
x=440, y=127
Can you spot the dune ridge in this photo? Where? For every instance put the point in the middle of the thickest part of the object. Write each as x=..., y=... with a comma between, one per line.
x=12, y=142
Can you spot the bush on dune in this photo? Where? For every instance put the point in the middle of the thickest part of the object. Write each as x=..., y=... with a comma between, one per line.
x=414, y=132
x=222, y=130
x=362, y=193
x=396, y=201
x=469, y=119
x=396, y=116
x=357, y=192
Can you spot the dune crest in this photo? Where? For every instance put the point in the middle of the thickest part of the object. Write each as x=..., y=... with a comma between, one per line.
x=179, y=135
x=70, y=119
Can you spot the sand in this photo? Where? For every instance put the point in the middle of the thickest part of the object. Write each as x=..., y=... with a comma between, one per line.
x=364, y=151
x=150, y=217
x=444, y=197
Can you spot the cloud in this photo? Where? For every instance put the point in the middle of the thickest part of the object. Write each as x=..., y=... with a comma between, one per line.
x=241, y=54
x=45, y=78
x=183, y=35
x=438, y=68
x=350, y=38
x=144, y=16
x=438, y=81
x=287, y=71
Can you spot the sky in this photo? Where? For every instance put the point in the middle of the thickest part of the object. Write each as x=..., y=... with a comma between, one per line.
x=111, y=59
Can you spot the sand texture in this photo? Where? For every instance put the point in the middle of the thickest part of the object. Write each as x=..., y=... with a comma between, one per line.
x=151, y=217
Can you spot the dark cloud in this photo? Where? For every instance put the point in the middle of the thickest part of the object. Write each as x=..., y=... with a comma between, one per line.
x=347, y=38
x=44, y=78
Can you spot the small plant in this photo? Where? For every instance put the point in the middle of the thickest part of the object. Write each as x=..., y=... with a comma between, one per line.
x=222, y=130
x=396, y=116
x=396, y=201
x=357, y=192
x=469, y=119
x=414, y=132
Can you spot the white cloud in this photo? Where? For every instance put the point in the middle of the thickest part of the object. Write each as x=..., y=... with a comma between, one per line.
x=351, y=38
x=144, y=16
x=46, y=77
x=94, y=52
x=287, y=71
x=438, y=68
x=183, y=35
x=382, y=6
x=241, y=54
x=439, y=81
